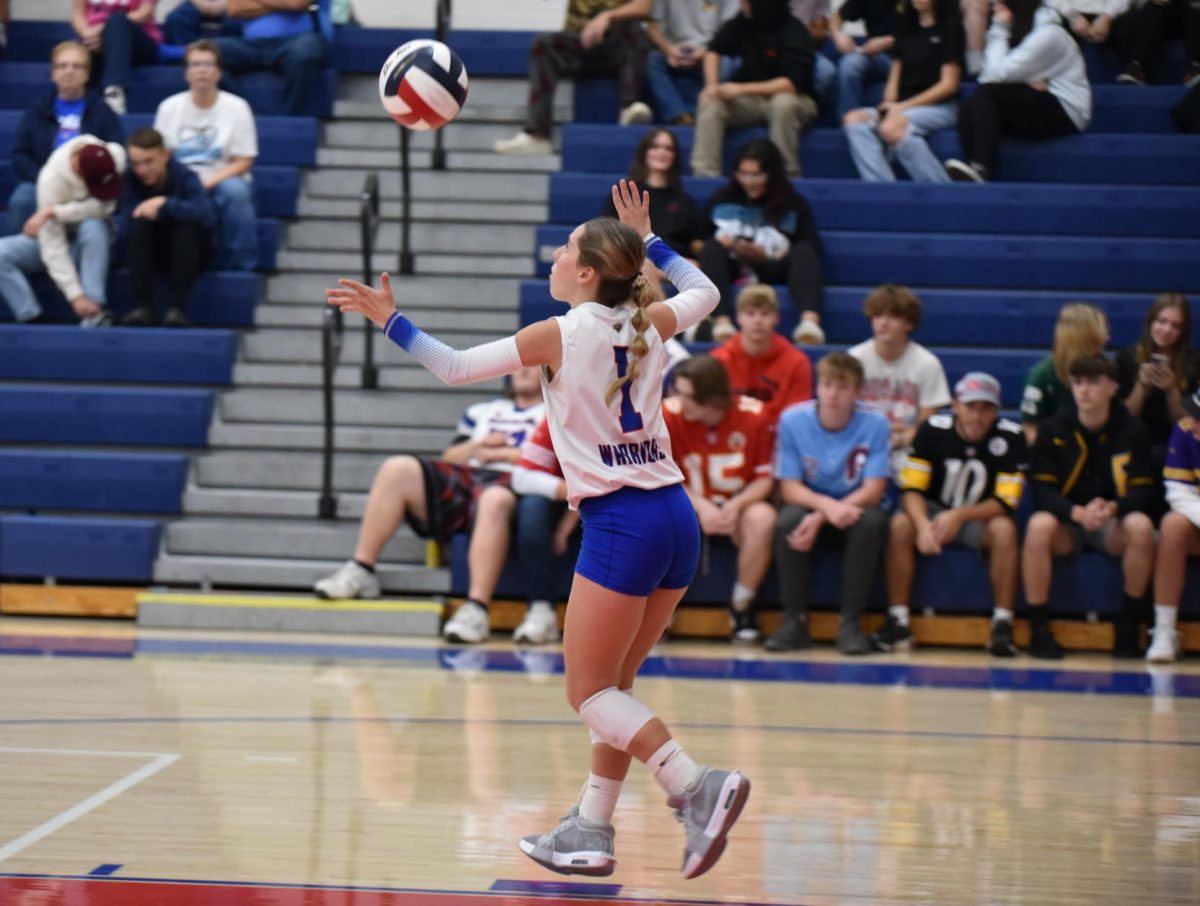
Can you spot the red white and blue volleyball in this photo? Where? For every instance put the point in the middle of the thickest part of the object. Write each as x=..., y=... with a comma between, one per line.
x=423, y=84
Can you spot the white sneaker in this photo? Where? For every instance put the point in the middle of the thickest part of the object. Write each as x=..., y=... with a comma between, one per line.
x=523, y=143
x=469, y=625
x=808, y=333
x=723, y=330
x=114, y=96
x=962, y=171
x=100, y=319
x=351, y=581
x=1164, y=649
x=540, y=625
x=635, y=114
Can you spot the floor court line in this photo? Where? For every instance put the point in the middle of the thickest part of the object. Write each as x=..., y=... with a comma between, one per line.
x=160, y=761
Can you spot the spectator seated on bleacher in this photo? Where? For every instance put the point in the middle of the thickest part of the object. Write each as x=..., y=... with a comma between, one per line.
x=814, y=15
x=67, y=110
x=1081, y=330
x=862, y=64
x=212, y=132
x=1101, y=23
x=1180, y=531
x=1033, y=85
x=902, y=380
x=723, y=444
x=601, y=37
x=1093, y=483
x=169, y=227
x=680, y=31
x=763, y=227
x=196, y=20
x=759, y=362
x=974, y=14
x=773, y=84
x=832, y=466
x=1156, y=21
x=1157, y=374
x=288, y=37
x=677, y=221
x=918, y=100
x=77, y=191
x=4, y=16
x=960, y=485
x=121, y=34
x=438, y=498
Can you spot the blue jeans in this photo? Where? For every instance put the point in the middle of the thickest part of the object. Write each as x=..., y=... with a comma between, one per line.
x=672, y=92
x=125, y=46
x=825, y=74
x=22, y=205
x=543, y=574
x=234, y=200
x=184, y=24
x=854, y=71
x=20, y=258
x=298, y=59
x=871, y=153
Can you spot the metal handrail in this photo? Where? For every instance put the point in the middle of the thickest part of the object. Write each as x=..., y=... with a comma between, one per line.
x=442, y=14
x=368, y=227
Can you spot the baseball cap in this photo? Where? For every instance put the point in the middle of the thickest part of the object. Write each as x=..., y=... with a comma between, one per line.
x=99, y=172
x=1191, y=404
x=978, y=386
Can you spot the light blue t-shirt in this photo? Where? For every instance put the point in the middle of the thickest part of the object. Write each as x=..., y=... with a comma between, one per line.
x=828, y=462
x=70, y=119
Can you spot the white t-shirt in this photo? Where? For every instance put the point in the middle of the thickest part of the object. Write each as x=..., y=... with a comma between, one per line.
x=206, y=139
x=499, y=416
x=604, y=447
x=900, y=388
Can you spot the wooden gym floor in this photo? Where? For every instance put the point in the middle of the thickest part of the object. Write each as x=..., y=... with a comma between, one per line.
x=146, y=767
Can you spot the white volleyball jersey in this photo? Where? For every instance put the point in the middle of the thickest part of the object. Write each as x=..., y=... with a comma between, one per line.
x=603, y=447
x=499, y=416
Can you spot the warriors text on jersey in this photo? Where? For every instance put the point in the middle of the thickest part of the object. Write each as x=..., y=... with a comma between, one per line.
x=601, y=446
x=719, y=462
x=955, y=473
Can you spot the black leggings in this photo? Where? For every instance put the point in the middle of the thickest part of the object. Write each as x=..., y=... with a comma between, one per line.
x=1008, y=108
x=181, y=250
x=1158, y=20
x=801, y=270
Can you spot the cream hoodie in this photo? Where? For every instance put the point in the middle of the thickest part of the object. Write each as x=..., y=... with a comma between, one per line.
x=60, y=187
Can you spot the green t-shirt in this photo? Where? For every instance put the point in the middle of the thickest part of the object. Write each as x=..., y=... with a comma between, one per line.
x=1044, y=393
x=580, y=12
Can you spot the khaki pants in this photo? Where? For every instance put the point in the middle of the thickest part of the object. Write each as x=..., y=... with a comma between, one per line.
x=785, y=115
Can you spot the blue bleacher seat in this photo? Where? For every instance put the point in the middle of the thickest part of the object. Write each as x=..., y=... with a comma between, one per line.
x=282, y=140
x=81, y=548
x=484, y=53
x=134, y=416
x=125, y=355
x=79, y=480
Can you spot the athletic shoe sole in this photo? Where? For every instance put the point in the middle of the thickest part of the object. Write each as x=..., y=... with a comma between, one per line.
x=592, y=864
x=734, y=793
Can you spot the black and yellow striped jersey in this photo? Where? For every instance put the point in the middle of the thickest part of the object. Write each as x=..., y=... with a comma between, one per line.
x=955, y=473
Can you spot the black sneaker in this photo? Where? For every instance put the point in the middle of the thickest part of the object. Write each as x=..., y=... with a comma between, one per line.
x=852, y=640
x=892, y=636
x=1133, y=74
x=176, y=318
x=139, y=317
x=743, y=627
x=1002, y=644
x=1191, y=75
x=792, y=635
x=1127, y=639
x=1043, y=644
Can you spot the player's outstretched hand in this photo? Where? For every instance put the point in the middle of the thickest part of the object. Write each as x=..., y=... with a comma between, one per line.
x=633, y=207
x=376, y=305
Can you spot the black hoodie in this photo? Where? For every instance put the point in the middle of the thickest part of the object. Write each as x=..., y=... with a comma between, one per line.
x=771, y=43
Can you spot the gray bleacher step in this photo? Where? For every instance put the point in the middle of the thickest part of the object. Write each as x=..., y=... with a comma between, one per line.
x=416, y=380
x=484, y=159
x=468, y=239
x=511, y=114
x=479, y=211
x=459, y=185
x=200, y=501
x=255, y=612
x=419, y=291
x=304, y=539
x=304, y=345
x=291, y=405
x=437, y=320
x=376, y=133
x=288, y=470
x=380, y=441
x=265, y=572
x=426, y=263
x=482, y=91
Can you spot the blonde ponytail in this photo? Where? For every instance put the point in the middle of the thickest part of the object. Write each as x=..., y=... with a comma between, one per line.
x=642, y=295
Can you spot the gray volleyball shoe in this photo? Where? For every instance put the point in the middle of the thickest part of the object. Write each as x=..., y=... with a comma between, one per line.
x=707, y=810
x=576, y=847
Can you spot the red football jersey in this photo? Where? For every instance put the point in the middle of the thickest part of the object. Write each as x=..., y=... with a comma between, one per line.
x=537, y=452
x=718, y=462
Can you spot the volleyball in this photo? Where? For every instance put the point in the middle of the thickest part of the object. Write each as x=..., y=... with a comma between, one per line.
x=423, y=84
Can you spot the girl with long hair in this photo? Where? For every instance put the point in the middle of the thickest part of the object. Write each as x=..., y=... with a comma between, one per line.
x=1081, y=330
x=1160, y=369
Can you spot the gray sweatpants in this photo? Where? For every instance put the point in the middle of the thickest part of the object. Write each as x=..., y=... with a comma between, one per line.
x=863, y=543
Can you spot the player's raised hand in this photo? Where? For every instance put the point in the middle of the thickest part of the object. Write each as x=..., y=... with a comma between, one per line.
x=376, y=305
x=633, y=206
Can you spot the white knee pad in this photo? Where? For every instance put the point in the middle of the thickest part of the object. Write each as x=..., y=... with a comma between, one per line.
x=592, y=734
x=614, y=717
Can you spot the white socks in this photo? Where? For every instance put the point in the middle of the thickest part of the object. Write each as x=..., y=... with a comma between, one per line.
x=673, y=769
x=1001, y=613
x=743, y=597
x=1164, y=616
x=900, y=613
x=599, y=799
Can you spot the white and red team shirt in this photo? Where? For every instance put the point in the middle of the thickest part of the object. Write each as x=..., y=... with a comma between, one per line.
x=498, y=416
x=719, y=462
x=537, y=453
x=604, y=447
